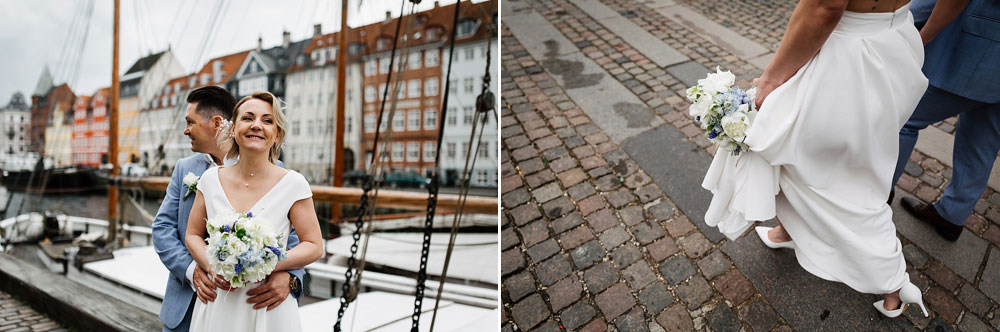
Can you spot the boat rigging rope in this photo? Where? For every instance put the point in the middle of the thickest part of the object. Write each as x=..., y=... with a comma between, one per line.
x=348, y=289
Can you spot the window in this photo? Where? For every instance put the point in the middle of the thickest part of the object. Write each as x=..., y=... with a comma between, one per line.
x=431, y=58
x=295, y=127
x=204, y=78
x=399, y=121
x=452, y=117
x=470, y=53
x=430, y=119
x=310, y=126
x=310, y=101
x=370, y=67
x=453, y=86
x=319, y=99
x=432, y=34
x=397, y=151
x=369, y=122
x=484, y=150
x=466, y=27
x=329, y=125
x=483, y=49
x=414, y=88
x=383, y=65
x=414, y=62
x=467, y=114
x=429, y=149
x=381, y=90
x=413, y=120
x=402, y=91
x=348, y=125
x=431, y=86
x=370, y=93
x=465, y=150
x=470, y=84
x=412, y=151
x=483, y=177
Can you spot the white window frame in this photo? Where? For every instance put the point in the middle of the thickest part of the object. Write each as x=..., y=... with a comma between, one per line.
x=369, y=122
x=431, y=58
x=414, y=62
x=431, y=86
x=397, y=151
x=468, y=113
x=413, y=120
x=413, y=86
x=412, y=151
x=429, y=150
x=430, y=119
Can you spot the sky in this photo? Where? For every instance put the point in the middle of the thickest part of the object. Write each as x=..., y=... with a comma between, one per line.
x=34, y=33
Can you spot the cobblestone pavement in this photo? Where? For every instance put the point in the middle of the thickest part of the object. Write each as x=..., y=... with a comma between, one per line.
x=15, y=316
x=602, y=223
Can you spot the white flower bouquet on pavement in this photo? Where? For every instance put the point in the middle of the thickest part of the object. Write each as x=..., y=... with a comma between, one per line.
x=724, y=110
x=242, y=248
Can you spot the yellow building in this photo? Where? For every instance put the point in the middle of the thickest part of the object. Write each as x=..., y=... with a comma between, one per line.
x=59, y=136
x=139, y=87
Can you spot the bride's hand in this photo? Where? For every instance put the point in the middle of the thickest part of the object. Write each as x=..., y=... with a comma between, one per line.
x=222, y=283
x=765, y=86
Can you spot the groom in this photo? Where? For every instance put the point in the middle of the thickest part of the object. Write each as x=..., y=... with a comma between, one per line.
x=207, y=109
x=962, y=48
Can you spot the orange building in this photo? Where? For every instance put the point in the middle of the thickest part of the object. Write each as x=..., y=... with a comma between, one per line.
x=90, y=129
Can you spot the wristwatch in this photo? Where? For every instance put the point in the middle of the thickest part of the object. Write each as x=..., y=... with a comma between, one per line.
x=293, y=284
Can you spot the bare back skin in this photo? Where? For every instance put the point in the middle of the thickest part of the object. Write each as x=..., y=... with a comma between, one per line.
x=875, y=6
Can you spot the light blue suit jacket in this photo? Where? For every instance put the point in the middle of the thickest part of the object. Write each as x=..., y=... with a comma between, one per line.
x=169, y=228
x=964, y=58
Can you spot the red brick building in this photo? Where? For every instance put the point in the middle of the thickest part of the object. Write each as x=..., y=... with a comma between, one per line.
x=90, y=129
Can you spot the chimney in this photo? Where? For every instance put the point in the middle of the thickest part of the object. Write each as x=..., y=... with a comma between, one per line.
x=317, y=30
x=260, y=43
x=437, y=4
x=286, y=39
x=388, y=15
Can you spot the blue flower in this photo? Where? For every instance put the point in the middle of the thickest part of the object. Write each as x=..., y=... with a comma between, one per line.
x=239, y=268
x=274, y=250
x=225, y=228
x=249, y=214
x=697, y=118
x=712, y=134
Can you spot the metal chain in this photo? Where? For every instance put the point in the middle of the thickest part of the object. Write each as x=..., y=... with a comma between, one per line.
x=432, y=189
x=349, y=292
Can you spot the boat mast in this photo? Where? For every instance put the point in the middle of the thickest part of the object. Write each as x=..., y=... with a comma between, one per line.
x=113, y=134
x=338, y=150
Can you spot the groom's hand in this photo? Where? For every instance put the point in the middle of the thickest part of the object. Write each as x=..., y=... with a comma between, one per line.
x=270, y=294
x=203, y=285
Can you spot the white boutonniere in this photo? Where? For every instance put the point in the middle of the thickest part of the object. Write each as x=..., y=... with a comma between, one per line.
x=191, y=182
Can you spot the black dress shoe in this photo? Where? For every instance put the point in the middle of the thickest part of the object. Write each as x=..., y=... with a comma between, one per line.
x=926, y=213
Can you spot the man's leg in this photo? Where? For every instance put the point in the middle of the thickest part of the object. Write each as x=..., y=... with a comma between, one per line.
x=935, y=106
x=977, y=140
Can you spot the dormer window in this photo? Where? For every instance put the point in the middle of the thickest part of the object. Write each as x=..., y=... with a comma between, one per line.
x=383, y=44
x=467, y=27
x=421, y=19
x=204, y=78
x=356, y=48
x=433, y=33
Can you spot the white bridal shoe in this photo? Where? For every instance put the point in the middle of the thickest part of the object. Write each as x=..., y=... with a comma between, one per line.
x=908, y=294
x=762, y=233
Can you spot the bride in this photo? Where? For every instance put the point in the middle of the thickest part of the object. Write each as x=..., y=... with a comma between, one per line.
x=844, y=80
x=254, y=184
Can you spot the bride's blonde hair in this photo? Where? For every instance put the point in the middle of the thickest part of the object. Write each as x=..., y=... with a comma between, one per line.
x=279, y=124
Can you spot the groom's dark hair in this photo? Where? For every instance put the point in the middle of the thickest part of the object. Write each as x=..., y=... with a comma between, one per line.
x=212, y=100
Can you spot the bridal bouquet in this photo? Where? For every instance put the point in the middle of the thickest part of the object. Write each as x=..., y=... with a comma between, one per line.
x=242, y=248
x=724, y=110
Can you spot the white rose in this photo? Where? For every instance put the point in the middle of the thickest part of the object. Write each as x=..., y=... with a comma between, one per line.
x=735, y=125
x=190, y=179
x=701, y=107
x=720, y=81
x=692, y=92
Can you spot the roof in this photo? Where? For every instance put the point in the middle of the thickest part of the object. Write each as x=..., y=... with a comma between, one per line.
x=44, y=83
x=17, y=102
x=145, y=63
x=438, y=18
x=230, y=64
x=82, y=100
x=103, y=92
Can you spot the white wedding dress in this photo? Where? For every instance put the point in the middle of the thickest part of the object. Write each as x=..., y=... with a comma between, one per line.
x=230, y=310
x=824, y=148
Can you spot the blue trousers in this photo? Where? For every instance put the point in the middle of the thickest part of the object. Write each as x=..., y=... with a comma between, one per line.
x=977, y=140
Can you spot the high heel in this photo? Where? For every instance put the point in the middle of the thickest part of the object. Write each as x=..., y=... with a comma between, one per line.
x=909, y=293
x=762, y=233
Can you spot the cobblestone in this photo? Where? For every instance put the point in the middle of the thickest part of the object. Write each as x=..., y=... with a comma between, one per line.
x=615, y=233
